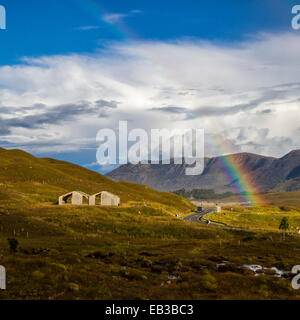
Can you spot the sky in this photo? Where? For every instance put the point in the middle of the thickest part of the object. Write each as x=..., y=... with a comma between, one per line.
x=70, y=68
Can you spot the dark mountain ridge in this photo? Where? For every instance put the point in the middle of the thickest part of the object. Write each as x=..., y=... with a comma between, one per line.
x=263, y=172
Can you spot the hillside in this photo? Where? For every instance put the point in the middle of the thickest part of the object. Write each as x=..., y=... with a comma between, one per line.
x=266, y=173
x=137, y=251
x=24, y=177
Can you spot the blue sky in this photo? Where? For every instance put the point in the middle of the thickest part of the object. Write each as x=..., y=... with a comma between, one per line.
x=71, y=67
x=54, y=27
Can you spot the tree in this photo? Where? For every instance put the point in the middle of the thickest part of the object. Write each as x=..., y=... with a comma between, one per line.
x=284, y=226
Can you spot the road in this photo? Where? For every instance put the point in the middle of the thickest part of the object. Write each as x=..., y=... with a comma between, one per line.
x=199, y=218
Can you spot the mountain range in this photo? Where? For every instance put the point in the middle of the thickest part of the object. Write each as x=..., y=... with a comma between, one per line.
x=263, y=172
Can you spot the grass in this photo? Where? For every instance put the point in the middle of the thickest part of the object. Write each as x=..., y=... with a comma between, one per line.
x=129, y=253
x=282, y=198
x=137, y=251
x=91, y=260
x=265, y=218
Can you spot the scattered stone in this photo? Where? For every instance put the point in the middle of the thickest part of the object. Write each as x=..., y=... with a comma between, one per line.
x=147, y=263
x=252, y=267
x=73, y=287
x=37, y=251
x=173, y=277
x=274, y=272
x=229, y=267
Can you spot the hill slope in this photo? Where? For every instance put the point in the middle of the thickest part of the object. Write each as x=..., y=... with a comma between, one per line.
x=267, y=173
x=25, y=177
x=137, y=251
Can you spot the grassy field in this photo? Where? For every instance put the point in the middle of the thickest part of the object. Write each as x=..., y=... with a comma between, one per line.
x=137, y=251
x=282, y=198
x=266, y=218
x=291, y=199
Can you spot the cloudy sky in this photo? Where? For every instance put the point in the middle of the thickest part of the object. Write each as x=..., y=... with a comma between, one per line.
x=230, y=67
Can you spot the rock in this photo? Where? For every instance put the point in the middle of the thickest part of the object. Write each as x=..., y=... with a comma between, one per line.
x=146, y=263
x=173, y=277
x=223, y=267
x=253, y=267
x=73, y=287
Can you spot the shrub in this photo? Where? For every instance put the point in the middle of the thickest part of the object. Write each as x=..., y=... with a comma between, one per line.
x=13, y=245
x=133, y=274
x=248, y=238
x=73, y=286
x=284, y=209
x=37, y=275
x=59, y=267
x=209, y=282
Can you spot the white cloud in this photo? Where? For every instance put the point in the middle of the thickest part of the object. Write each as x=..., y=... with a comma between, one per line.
x=247, y=93
x=136, y=11
x=87, y=28
x=113, y=18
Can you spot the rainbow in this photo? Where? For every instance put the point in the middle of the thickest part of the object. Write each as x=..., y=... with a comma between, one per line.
x=232, y=169
x=237, y=174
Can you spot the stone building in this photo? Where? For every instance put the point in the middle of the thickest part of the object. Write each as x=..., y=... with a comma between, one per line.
x=75, y=197
x=104, y=198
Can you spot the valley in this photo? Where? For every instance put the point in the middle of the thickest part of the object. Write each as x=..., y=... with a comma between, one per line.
x=140, y=250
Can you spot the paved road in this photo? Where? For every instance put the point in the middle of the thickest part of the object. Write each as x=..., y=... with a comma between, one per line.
x=199, y=218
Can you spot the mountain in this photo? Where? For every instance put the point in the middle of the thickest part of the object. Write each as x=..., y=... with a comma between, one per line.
x=266, y=173
x=25, y=180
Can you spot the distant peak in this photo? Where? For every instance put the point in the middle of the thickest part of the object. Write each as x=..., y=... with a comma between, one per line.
x=293, y=153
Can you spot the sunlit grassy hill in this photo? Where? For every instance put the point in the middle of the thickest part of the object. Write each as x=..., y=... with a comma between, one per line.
x=41, y=180
x=282, y=198
x=266, y=218
x=137, y=251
